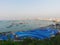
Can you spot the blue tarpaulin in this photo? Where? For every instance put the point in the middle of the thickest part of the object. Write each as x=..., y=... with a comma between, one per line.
x=36, y=33
x=3, y=37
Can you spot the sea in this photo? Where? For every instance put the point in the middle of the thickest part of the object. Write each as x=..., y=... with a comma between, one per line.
x=22, y=25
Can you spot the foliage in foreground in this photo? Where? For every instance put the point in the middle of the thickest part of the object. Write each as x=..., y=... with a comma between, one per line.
x=51, y=41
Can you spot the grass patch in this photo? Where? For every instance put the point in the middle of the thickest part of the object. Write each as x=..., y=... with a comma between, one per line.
x=28, y=41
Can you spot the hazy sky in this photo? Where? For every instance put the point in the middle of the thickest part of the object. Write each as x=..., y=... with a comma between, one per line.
x=17, y=9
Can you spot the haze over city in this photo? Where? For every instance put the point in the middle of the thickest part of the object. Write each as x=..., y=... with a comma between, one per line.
x=21, y=9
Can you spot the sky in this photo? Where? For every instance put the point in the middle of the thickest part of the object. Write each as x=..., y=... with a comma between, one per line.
x=21, y=9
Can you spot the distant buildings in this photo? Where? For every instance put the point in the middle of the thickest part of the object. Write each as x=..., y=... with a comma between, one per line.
x=50, y=19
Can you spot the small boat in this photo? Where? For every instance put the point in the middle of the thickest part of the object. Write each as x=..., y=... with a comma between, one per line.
x=21, y=23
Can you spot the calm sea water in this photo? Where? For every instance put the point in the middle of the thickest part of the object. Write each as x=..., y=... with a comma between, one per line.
x=22, y=25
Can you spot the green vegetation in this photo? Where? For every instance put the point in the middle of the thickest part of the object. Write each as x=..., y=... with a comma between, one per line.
x=28, y=41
